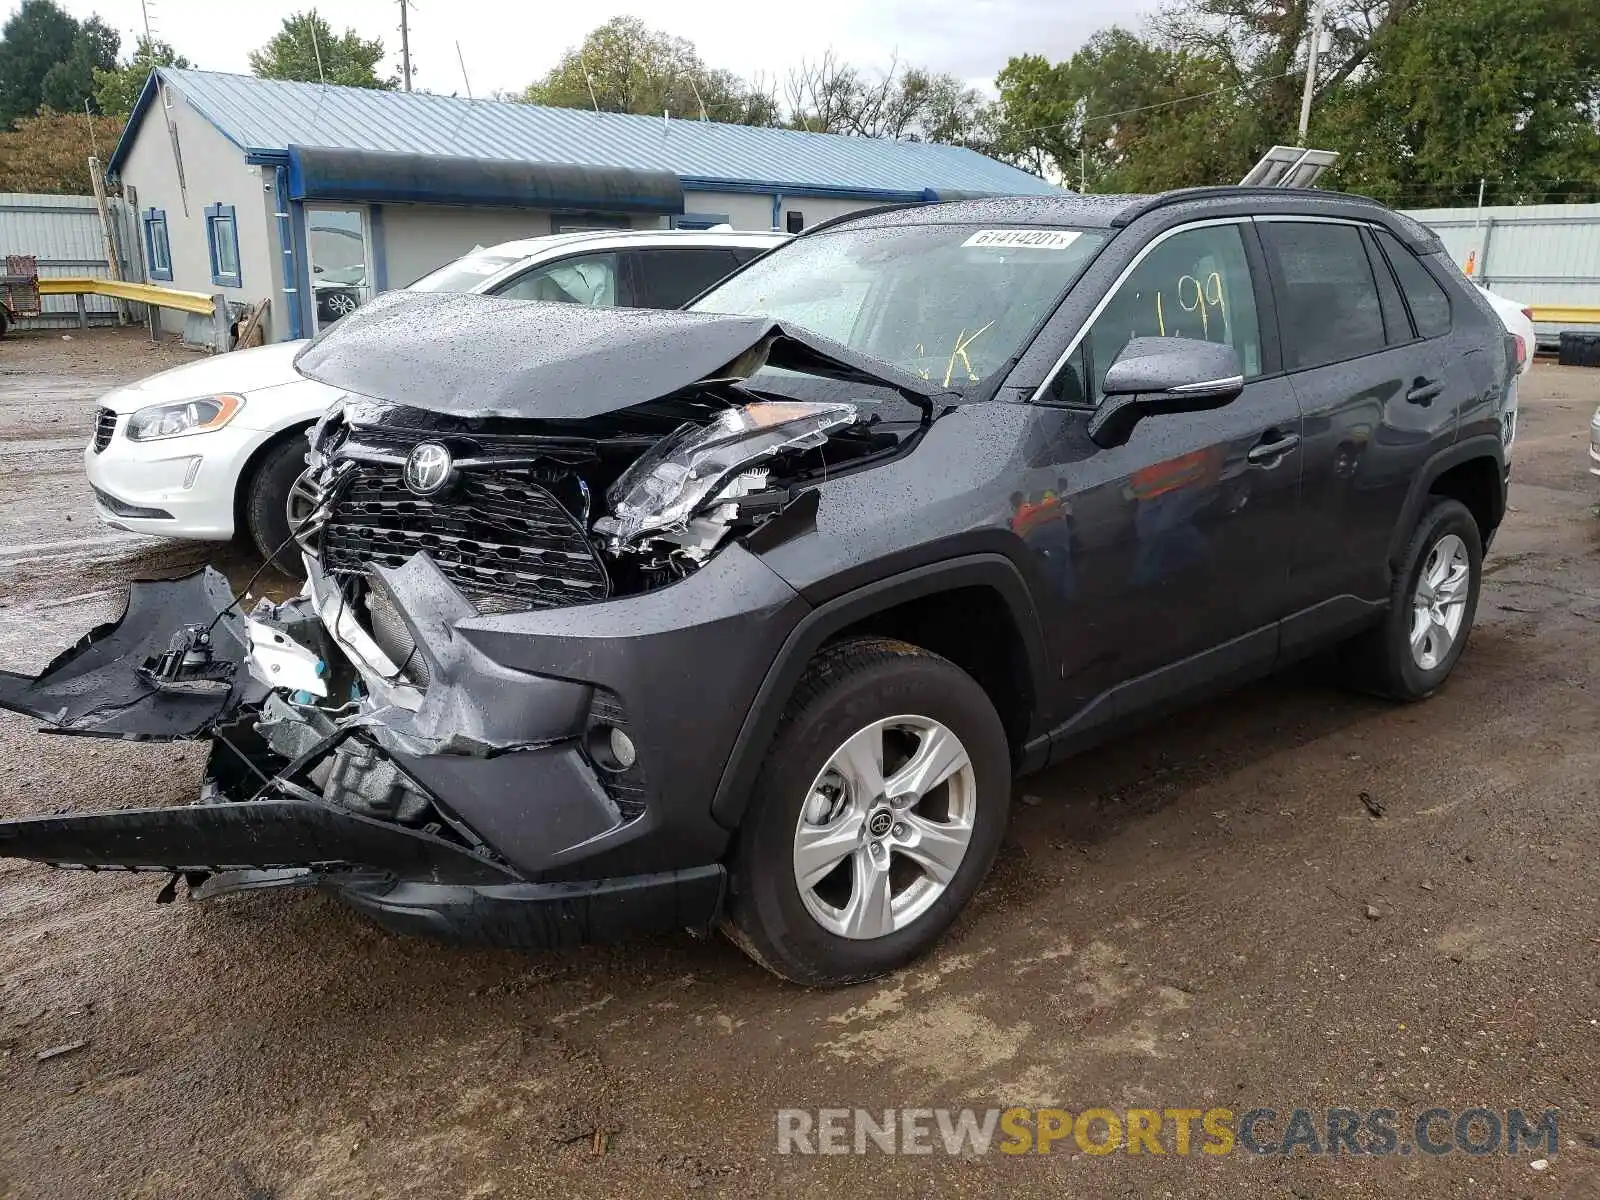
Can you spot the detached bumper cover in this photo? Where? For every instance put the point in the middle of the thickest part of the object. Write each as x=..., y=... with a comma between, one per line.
x=94, y=687
x=541, y=854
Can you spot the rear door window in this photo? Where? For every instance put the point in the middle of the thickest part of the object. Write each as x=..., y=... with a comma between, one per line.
x=1430, y=307
x=1327, y=295
x=670, y=278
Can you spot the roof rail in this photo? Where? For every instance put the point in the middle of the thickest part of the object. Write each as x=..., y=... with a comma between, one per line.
x=1145, y=204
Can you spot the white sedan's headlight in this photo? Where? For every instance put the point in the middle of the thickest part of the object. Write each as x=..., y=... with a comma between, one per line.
x=200, y=415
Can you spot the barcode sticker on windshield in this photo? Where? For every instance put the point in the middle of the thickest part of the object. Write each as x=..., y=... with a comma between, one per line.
x=1023, y=239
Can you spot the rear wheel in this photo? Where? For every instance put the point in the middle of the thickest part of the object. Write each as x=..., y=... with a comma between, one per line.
x=267, y=504
x=877, y=814
x=1431, y=609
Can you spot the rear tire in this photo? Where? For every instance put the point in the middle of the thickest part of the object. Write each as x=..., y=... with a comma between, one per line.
x=923, y=825
x=1432, y=604
x=266, y=504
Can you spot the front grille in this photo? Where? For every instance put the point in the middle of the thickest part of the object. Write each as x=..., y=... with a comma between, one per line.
x=499, y=536
x=105, y=425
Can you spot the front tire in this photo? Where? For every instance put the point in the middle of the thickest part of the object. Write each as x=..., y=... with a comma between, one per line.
x=1431, y=609
x=876, y=816
x=266, y=504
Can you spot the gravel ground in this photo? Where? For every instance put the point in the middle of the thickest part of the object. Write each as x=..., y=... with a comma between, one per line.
x=1206, y=914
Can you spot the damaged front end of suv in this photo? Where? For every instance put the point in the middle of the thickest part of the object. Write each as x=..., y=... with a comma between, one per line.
x=535, y=601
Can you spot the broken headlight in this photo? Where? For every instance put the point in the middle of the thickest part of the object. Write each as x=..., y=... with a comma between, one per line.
x=689, y=469
x=187, y=416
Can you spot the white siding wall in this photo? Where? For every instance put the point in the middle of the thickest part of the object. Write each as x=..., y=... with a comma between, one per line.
x=419, y=237
x=216, y=173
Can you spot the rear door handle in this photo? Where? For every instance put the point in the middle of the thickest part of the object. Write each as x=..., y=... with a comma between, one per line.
x=1424, y=392
x=1271, y=448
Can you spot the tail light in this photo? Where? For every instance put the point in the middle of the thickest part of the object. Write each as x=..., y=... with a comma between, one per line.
x=1522, y=349
x=1528, y=312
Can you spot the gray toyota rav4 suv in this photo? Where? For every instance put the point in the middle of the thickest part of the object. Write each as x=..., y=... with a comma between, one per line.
x=748, y=614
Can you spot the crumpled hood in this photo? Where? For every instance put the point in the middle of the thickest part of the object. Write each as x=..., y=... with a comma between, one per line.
x=242, y=371
x=481, y=356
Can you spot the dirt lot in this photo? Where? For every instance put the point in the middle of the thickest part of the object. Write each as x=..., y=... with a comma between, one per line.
x=1179, y=920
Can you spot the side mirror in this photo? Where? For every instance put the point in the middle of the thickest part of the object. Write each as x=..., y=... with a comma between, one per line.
x=1158, y=375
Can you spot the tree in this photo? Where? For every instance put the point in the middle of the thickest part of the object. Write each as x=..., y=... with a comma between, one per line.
x=902, y=104
x=1507, y=91
x=69, y=85
x=624, y=66
x=1119, y=115
x=306, y=39
x=48, y=58
x=116, y=90
x=50, y=152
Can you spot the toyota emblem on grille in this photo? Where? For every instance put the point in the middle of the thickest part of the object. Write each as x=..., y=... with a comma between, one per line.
x=428, y=469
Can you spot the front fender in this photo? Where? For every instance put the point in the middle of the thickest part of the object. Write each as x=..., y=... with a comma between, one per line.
x=993, y=571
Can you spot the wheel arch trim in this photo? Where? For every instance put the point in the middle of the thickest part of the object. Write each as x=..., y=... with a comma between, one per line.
x=993, y=571
x=1486, y=446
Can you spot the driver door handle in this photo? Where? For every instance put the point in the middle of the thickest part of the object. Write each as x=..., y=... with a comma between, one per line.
x=1424, y=391
x=1272, y=447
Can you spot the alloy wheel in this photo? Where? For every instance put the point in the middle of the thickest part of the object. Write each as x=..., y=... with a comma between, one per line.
x=885, y=827
x=1439, y=604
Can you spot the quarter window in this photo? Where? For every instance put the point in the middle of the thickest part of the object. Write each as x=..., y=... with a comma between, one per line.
x=587, y=279
x=1195, y=284
x=1430, y=307
x=1328, y=308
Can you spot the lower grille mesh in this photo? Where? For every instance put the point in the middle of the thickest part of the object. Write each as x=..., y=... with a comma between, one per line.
x=499, y=536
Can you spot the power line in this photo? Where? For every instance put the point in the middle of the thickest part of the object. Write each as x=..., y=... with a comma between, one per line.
x=1126, y=112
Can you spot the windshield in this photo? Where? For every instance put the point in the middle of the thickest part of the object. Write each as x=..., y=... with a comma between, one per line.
x=465, y=274
x=950, y=303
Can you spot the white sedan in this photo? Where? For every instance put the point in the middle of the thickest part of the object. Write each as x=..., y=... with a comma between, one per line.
x=213, y=447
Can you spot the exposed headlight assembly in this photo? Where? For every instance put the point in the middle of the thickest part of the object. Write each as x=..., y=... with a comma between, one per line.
x=692, y=467
x=200, y=415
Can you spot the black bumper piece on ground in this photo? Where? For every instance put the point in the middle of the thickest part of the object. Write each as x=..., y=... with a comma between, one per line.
x=94, y=688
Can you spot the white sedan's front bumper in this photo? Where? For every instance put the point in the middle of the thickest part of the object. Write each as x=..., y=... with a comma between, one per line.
x=177, y=487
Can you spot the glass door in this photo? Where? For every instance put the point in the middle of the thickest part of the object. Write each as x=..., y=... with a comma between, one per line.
x=341, y=274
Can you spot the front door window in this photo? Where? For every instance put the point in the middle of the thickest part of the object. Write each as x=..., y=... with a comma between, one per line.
x=340, y=279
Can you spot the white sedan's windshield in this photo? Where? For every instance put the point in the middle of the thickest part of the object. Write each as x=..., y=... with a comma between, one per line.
x=951, y=303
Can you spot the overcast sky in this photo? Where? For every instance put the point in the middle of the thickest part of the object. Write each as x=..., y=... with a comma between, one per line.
x=507, y=44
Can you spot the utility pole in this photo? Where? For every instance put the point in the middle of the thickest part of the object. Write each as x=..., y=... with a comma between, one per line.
x=405, y=48
x=1312, y=51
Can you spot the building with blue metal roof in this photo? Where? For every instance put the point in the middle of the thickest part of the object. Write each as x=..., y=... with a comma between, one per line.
x=261, y=187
